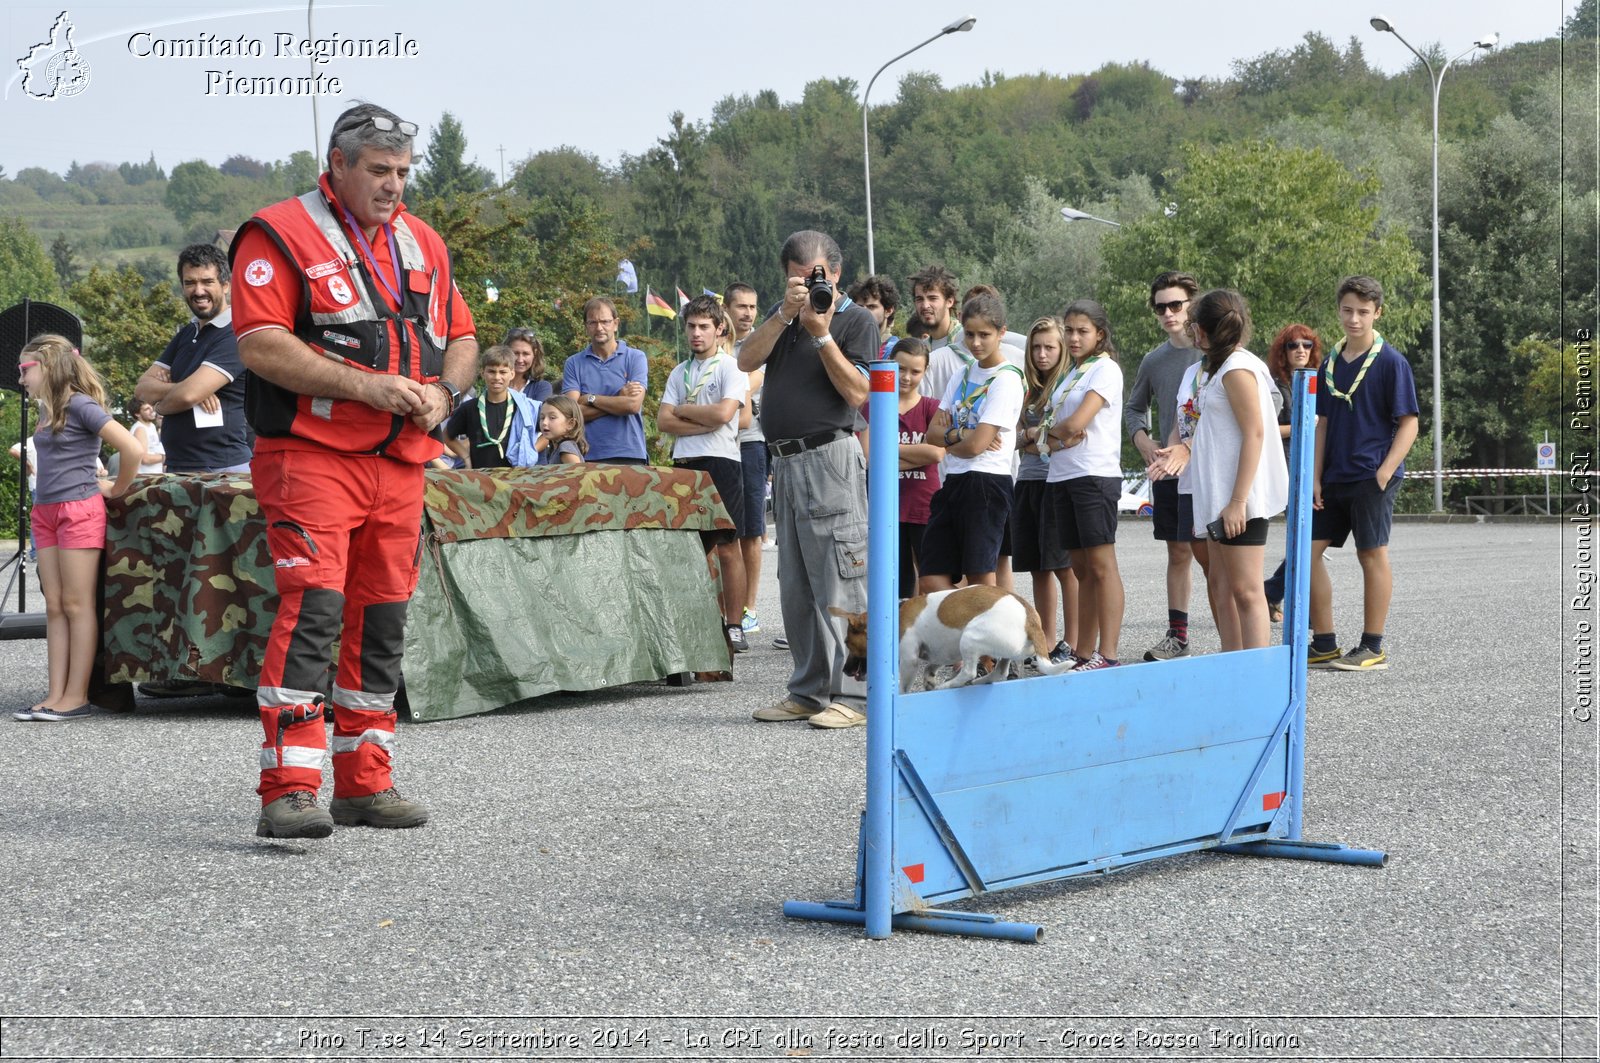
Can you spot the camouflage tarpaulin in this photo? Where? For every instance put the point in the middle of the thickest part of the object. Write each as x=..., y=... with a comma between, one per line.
x=534, y=580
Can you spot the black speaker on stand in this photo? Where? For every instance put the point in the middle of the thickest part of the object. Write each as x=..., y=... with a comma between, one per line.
x=18, y=325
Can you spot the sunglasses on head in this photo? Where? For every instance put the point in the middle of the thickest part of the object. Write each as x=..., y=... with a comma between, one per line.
x=1172, y=307
x=388, y=125
x=23, y=367
x=1303, y=345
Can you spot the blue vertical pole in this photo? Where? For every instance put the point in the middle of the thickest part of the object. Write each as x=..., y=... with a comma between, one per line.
x=1297, y=614
x=883, y=640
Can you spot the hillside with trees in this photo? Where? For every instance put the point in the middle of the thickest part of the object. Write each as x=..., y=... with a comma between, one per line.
x=1306, y=163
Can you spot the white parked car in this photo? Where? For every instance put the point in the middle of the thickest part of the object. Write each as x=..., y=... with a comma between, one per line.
x=1136, y=497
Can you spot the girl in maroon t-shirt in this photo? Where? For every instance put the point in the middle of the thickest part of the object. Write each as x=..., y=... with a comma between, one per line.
x=919, y=460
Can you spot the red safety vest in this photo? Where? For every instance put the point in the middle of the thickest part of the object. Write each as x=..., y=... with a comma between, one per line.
x=344, y=316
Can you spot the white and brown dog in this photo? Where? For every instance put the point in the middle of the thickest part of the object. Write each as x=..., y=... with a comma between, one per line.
x=959, y=626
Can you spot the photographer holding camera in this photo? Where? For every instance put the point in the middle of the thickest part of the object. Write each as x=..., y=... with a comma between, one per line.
x=815, y=347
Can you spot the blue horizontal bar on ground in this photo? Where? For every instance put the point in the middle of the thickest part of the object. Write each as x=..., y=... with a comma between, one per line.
x=964, y=923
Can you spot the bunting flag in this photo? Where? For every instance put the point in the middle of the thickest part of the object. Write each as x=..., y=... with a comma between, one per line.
x=656, y=306
x=713, y=295
x=627, y=277
x=683, y=300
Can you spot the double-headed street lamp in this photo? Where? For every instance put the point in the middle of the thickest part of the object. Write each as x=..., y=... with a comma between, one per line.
x=961, y=25
x=1383, y=25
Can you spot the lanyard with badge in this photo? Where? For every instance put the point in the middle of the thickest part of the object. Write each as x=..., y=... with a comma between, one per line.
x=1338, y=352
x=394, y=257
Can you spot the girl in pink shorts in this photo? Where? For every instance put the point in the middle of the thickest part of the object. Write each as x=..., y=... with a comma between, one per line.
x=69, y=512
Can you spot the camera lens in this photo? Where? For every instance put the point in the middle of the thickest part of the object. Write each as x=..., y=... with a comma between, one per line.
x=821, y=296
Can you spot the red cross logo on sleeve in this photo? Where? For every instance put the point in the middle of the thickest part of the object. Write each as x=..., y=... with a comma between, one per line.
x=258, y=273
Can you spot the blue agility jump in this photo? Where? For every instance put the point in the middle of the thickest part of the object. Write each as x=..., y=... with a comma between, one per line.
x=981, y=788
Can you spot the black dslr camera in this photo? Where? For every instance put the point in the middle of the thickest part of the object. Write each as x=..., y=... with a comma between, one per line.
x=819, y=290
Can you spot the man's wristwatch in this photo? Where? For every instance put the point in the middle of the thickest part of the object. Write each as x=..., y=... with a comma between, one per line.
x=821, y=341
x=588, y=400
x=452, y=392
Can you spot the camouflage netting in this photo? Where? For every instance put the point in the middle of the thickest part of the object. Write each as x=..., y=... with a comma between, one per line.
x=533, y=580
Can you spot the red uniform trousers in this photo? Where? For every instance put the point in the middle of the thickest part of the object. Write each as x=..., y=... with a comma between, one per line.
x=345, y=531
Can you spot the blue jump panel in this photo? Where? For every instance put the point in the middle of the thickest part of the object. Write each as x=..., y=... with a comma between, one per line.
x=1060, y=775
x=986, y=787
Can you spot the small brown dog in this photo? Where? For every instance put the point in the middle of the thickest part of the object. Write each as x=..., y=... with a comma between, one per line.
x=959, y=626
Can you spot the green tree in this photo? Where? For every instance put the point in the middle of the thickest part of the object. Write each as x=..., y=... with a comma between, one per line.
x=127, y=324
x=1282, y=225
x=25, y=270
x=299, y=174
x=678, y=209
x=63, y=260
x=196, y=189
x=1042, y=261
x=1501, y=283
x=445, y=173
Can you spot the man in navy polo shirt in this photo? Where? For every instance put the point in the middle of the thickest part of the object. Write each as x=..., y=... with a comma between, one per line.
x=607, y=380
x=197, y=384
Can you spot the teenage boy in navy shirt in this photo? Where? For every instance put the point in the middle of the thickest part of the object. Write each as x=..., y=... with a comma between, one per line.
x=1366, y=422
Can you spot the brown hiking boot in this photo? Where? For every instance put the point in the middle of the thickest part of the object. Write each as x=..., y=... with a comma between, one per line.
x=386, y=808
x=294, y=815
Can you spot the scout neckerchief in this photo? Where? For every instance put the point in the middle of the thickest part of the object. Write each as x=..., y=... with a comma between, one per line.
x=968, y=405
x=505, y=427
x=708, y=369
x=394, y=256
x=1338, y=352
x=955, y=344
x=1047, y=420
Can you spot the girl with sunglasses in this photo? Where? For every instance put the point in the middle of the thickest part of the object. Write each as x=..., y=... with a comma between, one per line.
x=1296, y=347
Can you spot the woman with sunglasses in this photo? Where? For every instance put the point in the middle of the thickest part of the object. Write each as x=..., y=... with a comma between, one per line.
x=1296, y=347
x=527, y=364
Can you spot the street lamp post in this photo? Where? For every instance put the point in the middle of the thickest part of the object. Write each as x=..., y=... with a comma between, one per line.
x=960, y=25
x=1074, y=214
x=1383, y=25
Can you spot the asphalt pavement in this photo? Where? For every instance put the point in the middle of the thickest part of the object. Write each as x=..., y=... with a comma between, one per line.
x=604, y=874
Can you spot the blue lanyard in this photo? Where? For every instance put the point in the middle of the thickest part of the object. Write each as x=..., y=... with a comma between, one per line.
x=394, y=257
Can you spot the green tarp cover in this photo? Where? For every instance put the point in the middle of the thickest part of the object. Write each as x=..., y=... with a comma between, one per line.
x=533, y=580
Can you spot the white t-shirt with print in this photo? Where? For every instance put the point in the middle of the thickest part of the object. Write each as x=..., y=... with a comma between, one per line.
x=705, y=383
x=1100, y=453
x=1001, y=406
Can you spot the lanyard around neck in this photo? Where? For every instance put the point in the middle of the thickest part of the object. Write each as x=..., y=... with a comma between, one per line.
x=366, y=246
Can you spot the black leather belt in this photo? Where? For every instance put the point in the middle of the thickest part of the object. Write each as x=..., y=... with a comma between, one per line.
x=787, y=448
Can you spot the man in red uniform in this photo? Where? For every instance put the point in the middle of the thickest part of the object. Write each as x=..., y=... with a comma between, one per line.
x=357, y=343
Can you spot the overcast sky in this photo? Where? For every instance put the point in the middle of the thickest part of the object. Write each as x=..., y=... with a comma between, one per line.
x=605, y=76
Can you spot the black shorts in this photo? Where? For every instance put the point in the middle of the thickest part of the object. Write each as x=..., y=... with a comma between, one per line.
x=1358, y=507
x=1082, y=512
x=966, y=522
x=752, y=516
x=1035, y=552
x=1174, y=519
x=1254, y=534
x=729, y=478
